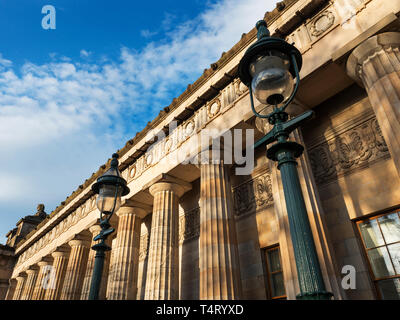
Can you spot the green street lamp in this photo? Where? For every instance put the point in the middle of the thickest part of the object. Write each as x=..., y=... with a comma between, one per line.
x=110, y=187
x=268, y=68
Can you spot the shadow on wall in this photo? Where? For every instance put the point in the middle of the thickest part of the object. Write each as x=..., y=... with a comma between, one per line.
x=339, y=142
x=189, y=232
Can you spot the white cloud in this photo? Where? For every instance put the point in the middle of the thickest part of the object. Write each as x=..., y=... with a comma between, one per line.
x=84, y=54
x=147, y=33
x=59, y=121
x=4, y=62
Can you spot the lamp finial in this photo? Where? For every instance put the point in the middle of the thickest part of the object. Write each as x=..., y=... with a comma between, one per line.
x=262, y=30
x=114, y=161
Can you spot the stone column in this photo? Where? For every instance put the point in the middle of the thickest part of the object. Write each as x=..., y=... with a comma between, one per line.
x=87, y=281
x=41, y=283
x=162, y=282
x=94, y=230
x=113, y=240
x=11, y=289
x=55, y=285
x=124, y=267
x=76, y=267
x=219, y=258
x=375, y=64
x=21, y=279
x=32, y=273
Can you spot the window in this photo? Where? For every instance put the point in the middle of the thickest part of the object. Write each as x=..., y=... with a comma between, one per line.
x=381, y=239
x=276, y=285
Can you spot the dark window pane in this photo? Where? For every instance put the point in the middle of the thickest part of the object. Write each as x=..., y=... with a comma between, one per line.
x=278, y=287
x=380, y=262
x=390, y=226
x=371, y=234
x=390, y=289
x=394, y=250
x=274, y=260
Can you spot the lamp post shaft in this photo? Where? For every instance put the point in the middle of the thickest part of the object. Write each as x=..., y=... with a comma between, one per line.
x=310, y=279
x=284, y=152
x=99, y=258
x=97, y=274
x=110, y=179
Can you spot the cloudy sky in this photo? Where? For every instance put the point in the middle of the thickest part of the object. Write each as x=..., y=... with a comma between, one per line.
x=71, y=96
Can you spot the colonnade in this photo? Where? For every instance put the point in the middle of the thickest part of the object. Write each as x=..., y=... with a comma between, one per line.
x=66, y=273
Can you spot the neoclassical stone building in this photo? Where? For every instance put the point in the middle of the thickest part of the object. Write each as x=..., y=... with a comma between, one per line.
x=189, y=231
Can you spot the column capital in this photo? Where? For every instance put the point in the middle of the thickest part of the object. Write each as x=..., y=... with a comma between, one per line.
x=134, y=207
x=45, y=261
x=32, y=269
x=95, y=229
x=79, y=242
x=210, y=156
x=81, y=239
x=366, y=50
x=22, y=275
x=164, y=182
x=61, y=251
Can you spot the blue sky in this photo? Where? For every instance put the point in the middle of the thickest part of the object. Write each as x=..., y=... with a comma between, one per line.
x=72, y=96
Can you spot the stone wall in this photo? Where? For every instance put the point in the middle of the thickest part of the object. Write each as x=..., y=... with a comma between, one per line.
x=354, y=173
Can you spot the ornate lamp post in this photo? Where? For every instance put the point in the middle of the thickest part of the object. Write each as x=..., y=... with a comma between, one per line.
x=109, y=187
x=268, y=68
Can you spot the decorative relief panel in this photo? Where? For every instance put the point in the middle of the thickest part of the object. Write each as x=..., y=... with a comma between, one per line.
x=322, y=23
x=189, y=225
x=253, y=195
x=313, y=30
x=351, y=150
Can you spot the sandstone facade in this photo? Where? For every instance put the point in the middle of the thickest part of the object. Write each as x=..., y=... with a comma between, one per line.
x=201, y=231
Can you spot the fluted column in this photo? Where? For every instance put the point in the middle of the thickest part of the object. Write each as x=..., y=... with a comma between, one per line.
x=59, y=267
x=124, y=267
x=113, y=240
x=76, y=268
x=87, y=281
x=162, y=279
x=11, y=289
x=32, y=273
x=376, y=64
x=219, y=261
x=94, y=230
x=21, y=279
x=40, y=286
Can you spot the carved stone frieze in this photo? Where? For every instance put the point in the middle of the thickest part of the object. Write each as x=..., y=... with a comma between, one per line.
x=185, y=130
x=253, y=195
x=189, y=225
x=353, y=149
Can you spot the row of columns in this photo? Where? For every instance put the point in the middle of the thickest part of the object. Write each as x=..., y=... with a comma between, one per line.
x=66, y=274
